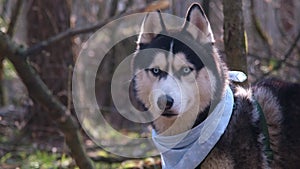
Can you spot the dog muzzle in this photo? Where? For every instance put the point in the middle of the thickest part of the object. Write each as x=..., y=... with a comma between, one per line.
x=189, y=149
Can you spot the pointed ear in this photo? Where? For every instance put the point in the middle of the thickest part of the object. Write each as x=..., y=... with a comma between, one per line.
x=196, y=19
x=152, y=25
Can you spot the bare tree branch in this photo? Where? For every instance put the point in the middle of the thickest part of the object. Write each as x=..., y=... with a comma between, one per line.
x=293, y=46
x=286, y=56
x=14, y=17
x=109, y=159
x=40, y=92
x=111, y=8
x=163, y=4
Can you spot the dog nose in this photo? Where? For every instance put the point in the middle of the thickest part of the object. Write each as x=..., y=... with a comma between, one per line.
x=165, y=102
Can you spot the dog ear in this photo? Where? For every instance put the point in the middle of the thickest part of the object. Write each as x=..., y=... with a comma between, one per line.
x=198, y=25
x=152, y=25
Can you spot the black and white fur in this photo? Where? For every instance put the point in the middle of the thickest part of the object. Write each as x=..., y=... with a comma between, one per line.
x=173, y=83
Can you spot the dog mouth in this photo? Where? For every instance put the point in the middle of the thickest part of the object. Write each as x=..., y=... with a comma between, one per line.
x=169, y=114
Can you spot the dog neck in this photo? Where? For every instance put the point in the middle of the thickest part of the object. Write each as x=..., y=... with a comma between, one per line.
x=176, y=125
x=176, y=149
x=201, y=116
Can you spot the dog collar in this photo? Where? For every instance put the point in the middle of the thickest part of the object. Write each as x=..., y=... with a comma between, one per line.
x=237, y=76
x=189, y=149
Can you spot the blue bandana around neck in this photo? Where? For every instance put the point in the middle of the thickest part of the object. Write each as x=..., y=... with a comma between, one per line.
x=189, y=149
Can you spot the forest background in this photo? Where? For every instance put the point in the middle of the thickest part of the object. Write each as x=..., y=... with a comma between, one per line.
x=40, y=41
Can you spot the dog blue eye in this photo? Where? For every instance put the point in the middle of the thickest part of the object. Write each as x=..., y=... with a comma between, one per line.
x=155, y=71
x=186, y=70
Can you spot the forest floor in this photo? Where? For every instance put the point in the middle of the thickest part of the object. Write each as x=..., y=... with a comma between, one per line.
x=23, y=145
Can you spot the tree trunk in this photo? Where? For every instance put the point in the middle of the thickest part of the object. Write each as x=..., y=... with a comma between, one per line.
x=234, y=36
x=45, y=19
x=12, y=10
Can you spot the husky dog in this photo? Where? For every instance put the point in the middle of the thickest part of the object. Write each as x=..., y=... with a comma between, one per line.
x=174, y=84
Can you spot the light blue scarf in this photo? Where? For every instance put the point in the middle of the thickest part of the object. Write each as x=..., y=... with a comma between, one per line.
x=189, y=149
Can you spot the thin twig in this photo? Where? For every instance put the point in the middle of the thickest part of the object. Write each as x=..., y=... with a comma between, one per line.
x=257, y=57
x=286, y=56
x=294, y=44
x=258, y=26
x=63, y=35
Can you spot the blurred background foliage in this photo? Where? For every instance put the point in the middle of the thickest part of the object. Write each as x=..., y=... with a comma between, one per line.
x=29, y=140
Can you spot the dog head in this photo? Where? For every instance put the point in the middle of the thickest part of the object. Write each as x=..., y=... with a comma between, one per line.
x=170, y=77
